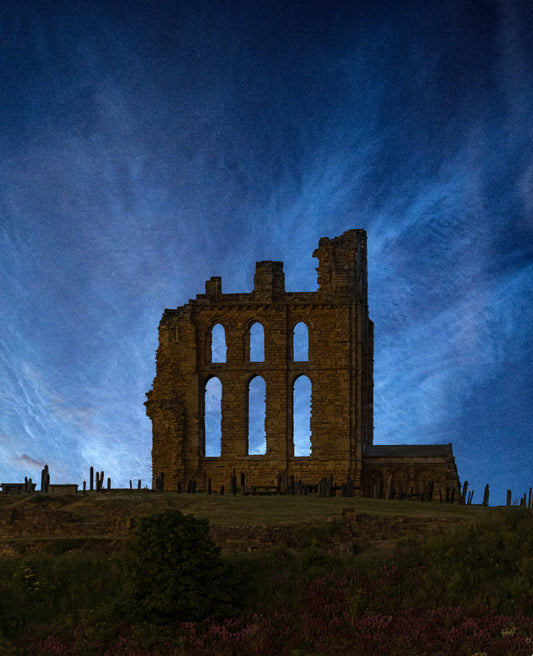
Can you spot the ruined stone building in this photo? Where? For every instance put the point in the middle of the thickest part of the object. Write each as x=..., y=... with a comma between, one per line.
x=336, y=362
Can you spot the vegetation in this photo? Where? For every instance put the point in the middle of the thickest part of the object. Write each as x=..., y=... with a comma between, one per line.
x=237, y=510
x=465, y=592
x=175, y=571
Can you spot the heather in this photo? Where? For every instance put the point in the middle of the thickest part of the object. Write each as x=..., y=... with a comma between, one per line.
x=469, y=591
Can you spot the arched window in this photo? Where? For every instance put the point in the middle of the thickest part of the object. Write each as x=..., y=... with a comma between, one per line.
x=256, y=417
x=375, y=485
x=213, y=417
x=301, y=431
x=257, y=343
x=218, y=344
x=300, y=343
x=400, y=483
x=424, y=479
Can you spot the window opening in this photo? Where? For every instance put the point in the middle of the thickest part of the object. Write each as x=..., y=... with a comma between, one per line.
x=256, y=417
x=375, y=484
x=300, y=343
x=257, y=343
x=302, y=416
x=213, y=417
x=400, y=483
x=218, y=344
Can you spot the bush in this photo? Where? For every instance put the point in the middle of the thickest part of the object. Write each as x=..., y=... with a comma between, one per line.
x=175, y=570
x=7, y=648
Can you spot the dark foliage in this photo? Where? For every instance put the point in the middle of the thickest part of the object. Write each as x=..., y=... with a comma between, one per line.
x=465, y=592
x=175, y=570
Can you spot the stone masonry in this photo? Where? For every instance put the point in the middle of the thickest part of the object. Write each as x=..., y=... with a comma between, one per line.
x=339, y=366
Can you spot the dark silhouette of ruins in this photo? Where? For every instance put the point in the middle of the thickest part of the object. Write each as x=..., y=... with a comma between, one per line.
x=338, y=365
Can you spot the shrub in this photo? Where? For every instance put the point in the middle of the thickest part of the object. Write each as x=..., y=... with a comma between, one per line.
x=175, y=570
x=7, y=648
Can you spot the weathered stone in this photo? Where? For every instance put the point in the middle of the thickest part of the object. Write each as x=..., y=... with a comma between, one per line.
x=62, y=488
x=339, y=366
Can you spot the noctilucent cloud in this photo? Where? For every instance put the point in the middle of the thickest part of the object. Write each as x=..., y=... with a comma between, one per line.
x=146, y=147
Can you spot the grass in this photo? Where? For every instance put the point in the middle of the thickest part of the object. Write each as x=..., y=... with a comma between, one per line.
x=291, y=511
x=92, y=522
x=465, y=591
x=228, y=510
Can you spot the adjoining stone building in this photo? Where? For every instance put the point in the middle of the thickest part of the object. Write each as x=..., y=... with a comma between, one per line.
x=338, y=364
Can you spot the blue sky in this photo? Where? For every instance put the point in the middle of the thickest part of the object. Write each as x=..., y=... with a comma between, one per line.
x=149, y=146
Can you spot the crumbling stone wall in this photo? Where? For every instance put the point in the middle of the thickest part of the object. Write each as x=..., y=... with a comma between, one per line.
x=339, y=366
x=423, y=472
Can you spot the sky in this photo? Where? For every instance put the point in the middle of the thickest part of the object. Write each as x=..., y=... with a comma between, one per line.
x=147, y=146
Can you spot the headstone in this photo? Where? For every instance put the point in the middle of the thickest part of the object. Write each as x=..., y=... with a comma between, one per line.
x=486, y=495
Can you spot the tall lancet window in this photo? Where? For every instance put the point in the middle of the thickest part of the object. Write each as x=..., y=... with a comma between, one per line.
x=257, y=343
x=300, y=343
x=256, y=417
x=218, y=344
x=213, y=417
x=301, y=433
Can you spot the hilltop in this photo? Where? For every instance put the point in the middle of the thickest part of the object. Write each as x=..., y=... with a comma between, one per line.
x=297, y=576
x=341, y=525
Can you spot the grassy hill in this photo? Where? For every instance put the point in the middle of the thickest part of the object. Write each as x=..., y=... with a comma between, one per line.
x=235, y=510
x=303, y=576
x=238, y=523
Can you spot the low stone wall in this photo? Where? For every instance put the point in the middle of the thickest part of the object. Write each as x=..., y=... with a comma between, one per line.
x=43, y=520
x=62, y=488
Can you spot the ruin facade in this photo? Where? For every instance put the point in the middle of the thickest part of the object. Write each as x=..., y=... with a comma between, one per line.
x=338, y=366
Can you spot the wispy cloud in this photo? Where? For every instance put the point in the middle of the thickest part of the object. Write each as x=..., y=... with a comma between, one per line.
x=144, y=154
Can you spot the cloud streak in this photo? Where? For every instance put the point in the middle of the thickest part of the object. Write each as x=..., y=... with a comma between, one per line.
x=146, y=151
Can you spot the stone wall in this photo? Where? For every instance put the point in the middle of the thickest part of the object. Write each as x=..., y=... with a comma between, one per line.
x=339, y=366
x=411, y=471
x=47, y=519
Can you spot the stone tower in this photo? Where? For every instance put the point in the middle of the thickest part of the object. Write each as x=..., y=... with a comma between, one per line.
x=339, y=367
